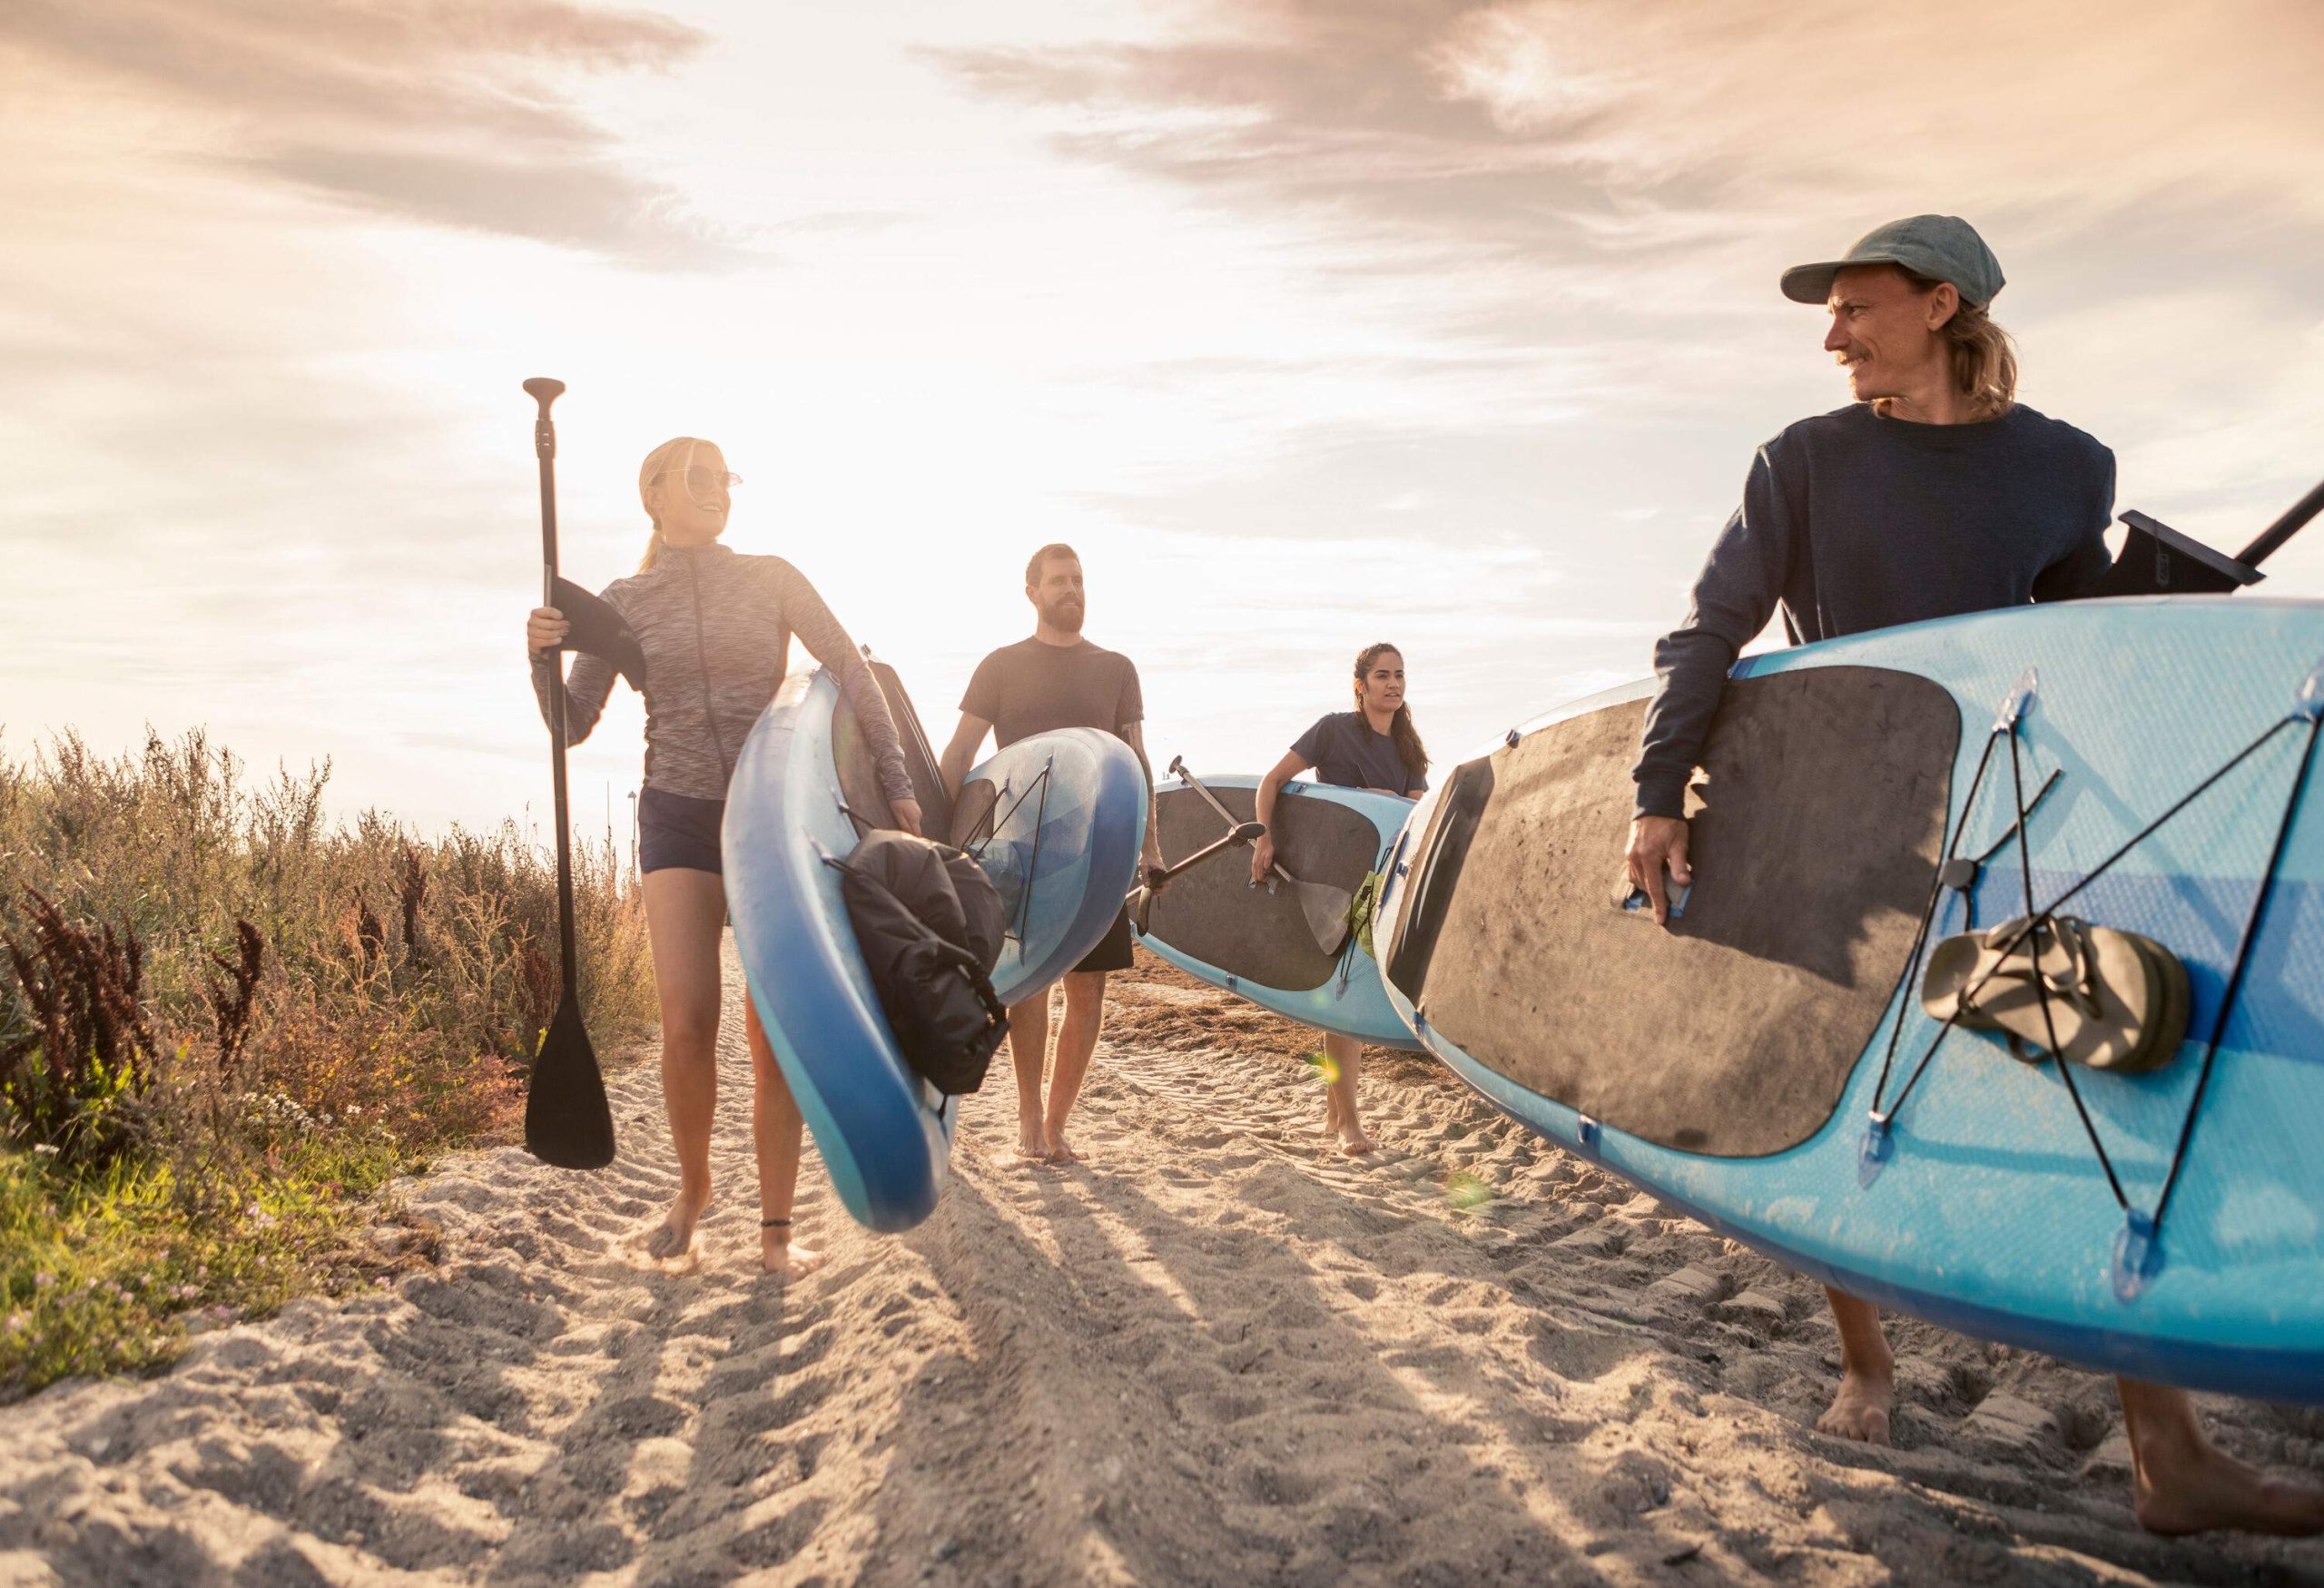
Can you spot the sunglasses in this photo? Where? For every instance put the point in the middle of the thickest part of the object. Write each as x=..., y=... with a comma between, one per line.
x=701, y=482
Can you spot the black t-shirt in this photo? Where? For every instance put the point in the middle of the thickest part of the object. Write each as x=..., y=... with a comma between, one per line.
x=1344, y=750
x=1031, y=688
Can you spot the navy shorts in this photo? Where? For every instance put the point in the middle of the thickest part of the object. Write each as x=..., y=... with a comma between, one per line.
x=676, y=830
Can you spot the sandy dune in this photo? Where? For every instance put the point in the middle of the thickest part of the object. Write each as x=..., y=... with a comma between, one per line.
x=1214, y=1353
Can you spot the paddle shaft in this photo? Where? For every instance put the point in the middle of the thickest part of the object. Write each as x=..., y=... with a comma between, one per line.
x=2294, y=520
x=1141, y=899
x=545, y=391
x=1178, y=767
x=1243, y=833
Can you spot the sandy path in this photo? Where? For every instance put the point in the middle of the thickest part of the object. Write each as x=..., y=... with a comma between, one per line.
x=1214, y=1353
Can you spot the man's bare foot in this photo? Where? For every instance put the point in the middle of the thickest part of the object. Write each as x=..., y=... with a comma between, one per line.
x=1061, y=1150
x=1860, y=1411
x=1353, y=1140
x=785, y=1258
x=1032, y=1142
x=675, y=1236
x=2182, y=1482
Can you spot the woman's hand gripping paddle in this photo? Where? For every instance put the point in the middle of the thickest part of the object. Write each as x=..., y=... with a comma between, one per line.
x=567, y=1120
x=1324, y=906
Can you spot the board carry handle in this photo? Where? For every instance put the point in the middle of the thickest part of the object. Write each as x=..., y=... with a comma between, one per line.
x=1632, y=900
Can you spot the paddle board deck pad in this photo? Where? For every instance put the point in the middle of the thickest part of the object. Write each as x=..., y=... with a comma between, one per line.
x=1253, y=940
x=1057, y=821
x=1765, y=1063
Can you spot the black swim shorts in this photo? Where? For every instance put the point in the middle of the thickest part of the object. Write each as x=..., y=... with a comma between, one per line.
x=1112, y=952
x=676, y=830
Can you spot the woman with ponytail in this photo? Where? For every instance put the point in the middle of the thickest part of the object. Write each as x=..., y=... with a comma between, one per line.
x=716, y=629
x=1374, y=747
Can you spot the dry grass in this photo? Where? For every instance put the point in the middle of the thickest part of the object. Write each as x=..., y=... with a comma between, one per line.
x=224, y=1019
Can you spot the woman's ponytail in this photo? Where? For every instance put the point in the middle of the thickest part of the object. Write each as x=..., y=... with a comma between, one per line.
x=664, y=459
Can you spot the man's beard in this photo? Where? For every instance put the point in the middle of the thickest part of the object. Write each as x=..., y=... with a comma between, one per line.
x=1065, y=615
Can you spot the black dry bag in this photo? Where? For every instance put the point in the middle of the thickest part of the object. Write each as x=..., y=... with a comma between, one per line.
x=928, y=924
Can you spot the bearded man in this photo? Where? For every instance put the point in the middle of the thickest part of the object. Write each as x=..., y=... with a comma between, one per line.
x=1056, y=679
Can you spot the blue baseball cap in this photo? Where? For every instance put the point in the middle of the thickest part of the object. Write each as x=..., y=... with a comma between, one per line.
x=1945, y=247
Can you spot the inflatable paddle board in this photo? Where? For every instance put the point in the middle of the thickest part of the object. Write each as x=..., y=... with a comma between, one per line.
x=1766, y=1064
x=1214, y=924
x=803, y=786
x=1057, y=821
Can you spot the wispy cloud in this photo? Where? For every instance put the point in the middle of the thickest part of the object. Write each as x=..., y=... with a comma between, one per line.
x=429, y=112
x=1617, y=128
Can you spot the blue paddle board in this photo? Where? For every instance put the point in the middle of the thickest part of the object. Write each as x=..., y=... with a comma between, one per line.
x=1214, y=924
x=803, y=786
x=1765, y=1064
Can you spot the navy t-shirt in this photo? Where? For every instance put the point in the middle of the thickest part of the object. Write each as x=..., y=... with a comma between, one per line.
x=1851, y=521
x=1344, y=750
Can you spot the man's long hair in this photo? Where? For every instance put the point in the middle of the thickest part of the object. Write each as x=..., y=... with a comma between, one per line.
x=1409, y=749
x=1984, y=357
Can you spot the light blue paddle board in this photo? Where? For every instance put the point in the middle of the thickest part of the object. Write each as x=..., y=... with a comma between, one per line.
x=1057, y=821
x=1214, y=924
x=884, y=1133
x=1744, y=1050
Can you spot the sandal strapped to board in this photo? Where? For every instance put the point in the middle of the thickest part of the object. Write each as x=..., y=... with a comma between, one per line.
x=2116, y=1000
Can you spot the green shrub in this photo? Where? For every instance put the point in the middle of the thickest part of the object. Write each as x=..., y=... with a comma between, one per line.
x=214, y=998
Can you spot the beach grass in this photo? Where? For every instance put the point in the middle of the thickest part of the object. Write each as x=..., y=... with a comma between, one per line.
x=227, y=1023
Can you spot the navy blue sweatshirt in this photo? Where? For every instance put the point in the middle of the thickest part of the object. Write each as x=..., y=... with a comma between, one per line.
x=1853, y=521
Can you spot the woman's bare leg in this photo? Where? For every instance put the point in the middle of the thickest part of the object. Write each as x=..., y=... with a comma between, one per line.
x=1867, y=1373
x=775, y=1127
x=2182, y=1482
x=1340, y=1115
x=685, y=913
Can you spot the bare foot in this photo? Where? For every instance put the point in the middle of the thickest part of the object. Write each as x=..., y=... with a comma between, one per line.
x=1032, y=1143
x=1354, y=1141
x=675, y=1234
x=785, y=1258
x=1061, y=1150
x=2182, y=1482
x=1860, y=1411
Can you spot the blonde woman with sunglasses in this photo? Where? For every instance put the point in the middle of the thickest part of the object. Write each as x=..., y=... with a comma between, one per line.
x=716, y=627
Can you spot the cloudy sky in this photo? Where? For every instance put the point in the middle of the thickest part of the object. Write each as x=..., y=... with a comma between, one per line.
x=1311, y=321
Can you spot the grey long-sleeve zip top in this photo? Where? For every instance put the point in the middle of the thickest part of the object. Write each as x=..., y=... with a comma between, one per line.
x=717, y=626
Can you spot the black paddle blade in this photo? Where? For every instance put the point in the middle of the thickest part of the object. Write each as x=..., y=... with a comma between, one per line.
x=599, y=630
x=567, y=1122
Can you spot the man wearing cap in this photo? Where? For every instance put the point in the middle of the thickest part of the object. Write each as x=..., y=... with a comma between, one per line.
x=1935, y=493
